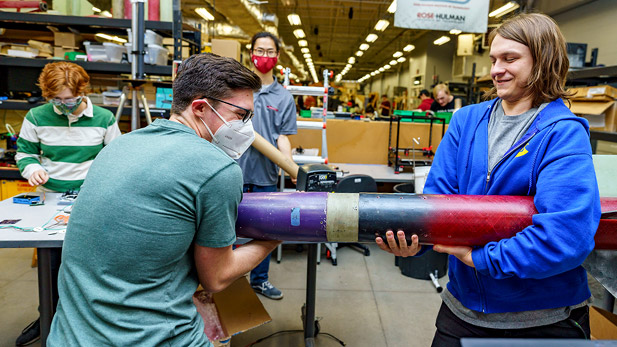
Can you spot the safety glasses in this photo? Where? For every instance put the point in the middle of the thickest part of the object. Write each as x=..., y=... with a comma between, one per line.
x=248, y=114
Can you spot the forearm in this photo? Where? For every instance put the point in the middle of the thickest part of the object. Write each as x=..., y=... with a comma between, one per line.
x=284, y=145
x=217, y=271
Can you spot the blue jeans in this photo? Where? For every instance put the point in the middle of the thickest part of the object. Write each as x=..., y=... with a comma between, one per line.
x=260, y=273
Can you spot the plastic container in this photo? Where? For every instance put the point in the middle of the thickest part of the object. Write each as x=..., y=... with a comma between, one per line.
x=113, y=51
x=95, y=51
x=112, y=97
x=150, y=37
x=129, y=47
x=305, y=113
x=157, y=55
x=420, y=174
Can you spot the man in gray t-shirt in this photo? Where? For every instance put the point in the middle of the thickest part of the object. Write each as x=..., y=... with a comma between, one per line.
x=156, y=217
x=275, y=118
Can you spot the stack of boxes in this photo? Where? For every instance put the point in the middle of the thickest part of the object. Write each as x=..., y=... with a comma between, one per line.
x=65, y=42
x=597, y=105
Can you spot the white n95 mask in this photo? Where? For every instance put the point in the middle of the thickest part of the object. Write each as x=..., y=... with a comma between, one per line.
x=234, y=137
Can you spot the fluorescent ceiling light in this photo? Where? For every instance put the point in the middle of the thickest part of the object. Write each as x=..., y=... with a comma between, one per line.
x=392, y=7
x=304, y=50
x=302, y=43
x=364, y=46
x=381, y=25
x=359, y=53
x=409, y=48
x=397, y=54
x=279, y=67
x=351, y=60
x=371, y=38
x=386, y=67
x=507, y=8
x=299, y=34
x=294, y=19
x=204, y=13
x=108, y=15
x=96, y=9
x=401, y=59
x=104, y=36
x=373, y=73
x=440, y=41
x=307, y=55
x=455, y=31
x=393, y=62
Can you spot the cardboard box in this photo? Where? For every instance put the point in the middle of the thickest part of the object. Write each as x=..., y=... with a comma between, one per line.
x=599, y=113
x=226, y=48
x=164, y=97
x=67, y=39
x=596, y=92
x=231, y=311
x=603, y=324
x=59, y=51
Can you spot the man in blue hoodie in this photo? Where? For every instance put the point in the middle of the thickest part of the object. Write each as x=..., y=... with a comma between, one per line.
x=524, y=142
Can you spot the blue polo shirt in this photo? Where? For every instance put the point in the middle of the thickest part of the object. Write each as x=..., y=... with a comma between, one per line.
x=275, y=115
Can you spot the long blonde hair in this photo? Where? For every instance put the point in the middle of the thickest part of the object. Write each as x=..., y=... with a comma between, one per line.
x=541, y=34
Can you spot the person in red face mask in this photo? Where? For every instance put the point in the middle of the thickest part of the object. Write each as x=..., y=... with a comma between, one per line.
x=275, y=118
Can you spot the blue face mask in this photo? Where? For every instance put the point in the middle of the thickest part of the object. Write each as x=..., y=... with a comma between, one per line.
x=67, y=106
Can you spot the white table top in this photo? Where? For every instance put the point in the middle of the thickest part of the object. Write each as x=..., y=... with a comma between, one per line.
x=32, y=217
x=381, y=173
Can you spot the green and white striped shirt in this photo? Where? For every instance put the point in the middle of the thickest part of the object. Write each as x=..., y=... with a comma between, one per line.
x=63, y=146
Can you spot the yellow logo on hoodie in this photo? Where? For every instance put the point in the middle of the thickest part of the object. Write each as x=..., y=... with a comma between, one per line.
x=522, y=152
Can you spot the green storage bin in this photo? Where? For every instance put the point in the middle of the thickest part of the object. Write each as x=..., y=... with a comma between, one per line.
x=305, y=113
x=446, y=115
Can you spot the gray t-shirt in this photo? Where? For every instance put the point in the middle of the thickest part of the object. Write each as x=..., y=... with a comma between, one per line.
x=503, y=132
x=275, y=115
x=128, y=272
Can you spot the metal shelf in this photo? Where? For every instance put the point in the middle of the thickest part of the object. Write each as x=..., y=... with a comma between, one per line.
x=593, y=75
x=15, y=20
x=101, y=67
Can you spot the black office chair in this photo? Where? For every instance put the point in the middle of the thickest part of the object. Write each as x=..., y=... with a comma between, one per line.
x=352, y=184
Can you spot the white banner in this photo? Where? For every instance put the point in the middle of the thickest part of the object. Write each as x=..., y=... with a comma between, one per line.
x=470, y=16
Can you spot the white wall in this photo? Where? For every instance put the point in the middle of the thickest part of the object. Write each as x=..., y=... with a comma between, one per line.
x=594, y=24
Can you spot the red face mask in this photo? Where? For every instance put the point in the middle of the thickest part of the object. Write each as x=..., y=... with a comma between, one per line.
x=264, y=64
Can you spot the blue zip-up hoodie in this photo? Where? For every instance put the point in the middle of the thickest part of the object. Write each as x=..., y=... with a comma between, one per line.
x=540, y=267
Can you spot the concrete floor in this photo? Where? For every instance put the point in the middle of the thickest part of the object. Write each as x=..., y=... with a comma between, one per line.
x=364, y=301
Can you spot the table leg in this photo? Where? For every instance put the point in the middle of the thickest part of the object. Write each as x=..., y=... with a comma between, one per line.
x=311, y=280
x=45, y=294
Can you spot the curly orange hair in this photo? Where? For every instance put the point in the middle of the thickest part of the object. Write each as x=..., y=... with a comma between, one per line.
x=57, y=76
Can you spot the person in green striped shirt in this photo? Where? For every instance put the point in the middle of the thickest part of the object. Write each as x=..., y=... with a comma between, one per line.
x=58, y=142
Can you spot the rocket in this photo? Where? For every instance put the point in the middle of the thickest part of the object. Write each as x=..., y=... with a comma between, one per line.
x=469, y=220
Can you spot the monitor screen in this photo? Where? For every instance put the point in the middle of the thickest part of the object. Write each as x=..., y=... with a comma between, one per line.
x=577, y=53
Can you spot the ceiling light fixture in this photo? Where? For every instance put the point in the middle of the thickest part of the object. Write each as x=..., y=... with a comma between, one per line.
x=359, y=53
x=364, y=46
x=409, y=48
x=397, y=54
x=381, y=25
x=204, y=13
x=392, y=7
x=386, y=67
x=381, y=69
x=507, y=8
x=455, y=31
x=304, y=50
x=96, y=9
x=351, y=60
x=302, y=43
x=307, y=55
x=299, y=34
x=401, y=59
x=440, y=41
x=393, y=62
x=371, y=38
x=294, y=19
